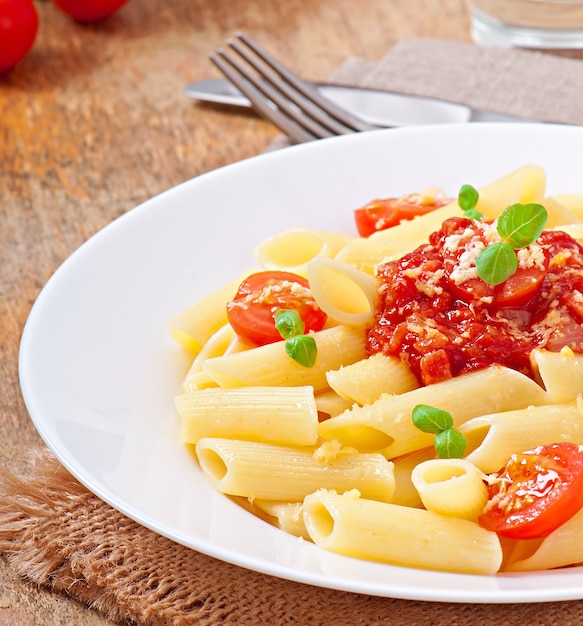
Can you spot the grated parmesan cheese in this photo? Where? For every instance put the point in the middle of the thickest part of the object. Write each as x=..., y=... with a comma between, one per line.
x=466, y=268
x=531, y=256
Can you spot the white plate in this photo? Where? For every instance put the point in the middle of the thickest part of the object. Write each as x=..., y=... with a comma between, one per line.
x=99, y=371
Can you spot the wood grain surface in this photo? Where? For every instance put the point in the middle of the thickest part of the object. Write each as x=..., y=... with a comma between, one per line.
x=93, y=121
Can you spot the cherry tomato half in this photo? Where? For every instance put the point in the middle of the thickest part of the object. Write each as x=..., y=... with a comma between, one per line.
x=520, y=287
x=513, y=292
x=252, y=311
x=18, y=28
x=89, y=11
x=381, y=214
x=536, y=492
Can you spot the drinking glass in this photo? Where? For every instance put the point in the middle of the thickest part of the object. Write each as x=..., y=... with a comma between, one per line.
x=546, y=24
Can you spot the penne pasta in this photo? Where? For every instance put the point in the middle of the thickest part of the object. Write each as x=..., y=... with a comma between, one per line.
x=405, y=492
x=216, y=345
x=366, y=253
x=492, y=439
x=344, y=293
x=270, y=364
x=363, y=382
x=197, y=381
x=380, y=531
x=293, y=249
x=451, y=487
x=525, y=184
x=330, y=404
x=386, y=425
x=559, y=214
x=328, y=450
x=561, y=373
x=284, y=415
x=270, y=472
x=573, y=202
x=285, y=515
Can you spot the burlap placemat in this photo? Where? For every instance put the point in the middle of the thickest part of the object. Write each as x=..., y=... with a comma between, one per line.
x=57, y=534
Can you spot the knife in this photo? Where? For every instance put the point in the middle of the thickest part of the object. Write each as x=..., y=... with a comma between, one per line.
x=381, y=108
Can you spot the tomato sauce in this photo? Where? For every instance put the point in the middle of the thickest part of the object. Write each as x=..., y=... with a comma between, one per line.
x=440, y=318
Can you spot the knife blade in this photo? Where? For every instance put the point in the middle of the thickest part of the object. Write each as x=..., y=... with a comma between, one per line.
x=382, y=108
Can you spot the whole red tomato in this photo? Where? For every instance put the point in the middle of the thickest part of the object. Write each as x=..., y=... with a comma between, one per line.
x=89, y=11
x=18, y=28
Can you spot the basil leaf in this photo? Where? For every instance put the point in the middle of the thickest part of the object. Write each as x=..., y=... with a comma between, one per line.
x=496, y=263
x=302, y=349
x=467, y=198
x=473, y=214
x=521, y=224
x=289, y=323
x=450, y=444
x=431, y=420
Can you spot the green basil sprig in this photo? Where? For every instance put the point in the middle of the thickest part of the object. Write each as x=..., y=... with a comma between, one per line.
x=467, y=200
x=449, y=443
x=519, y=225
x=300, y=347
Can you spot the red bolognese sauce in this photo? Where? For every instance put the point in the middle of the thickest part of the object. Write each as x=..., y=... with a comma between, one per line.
x=436, y=314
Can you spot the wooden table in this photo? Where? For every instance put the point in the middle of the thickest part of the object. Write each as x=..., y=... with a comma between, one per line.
x=93, y=121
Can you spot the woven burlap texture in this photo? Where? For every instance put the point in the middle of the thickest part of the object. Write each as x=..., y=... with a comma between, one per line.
x=57, y=534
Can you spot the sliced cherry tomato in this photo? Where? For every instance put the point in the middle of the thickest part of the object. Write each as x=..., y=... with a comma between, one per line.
x=18, y=29
x=536, y=492
x=381, y=214
x=513, y=292
x=89, y=11
x=520, y=287
x=252, y=311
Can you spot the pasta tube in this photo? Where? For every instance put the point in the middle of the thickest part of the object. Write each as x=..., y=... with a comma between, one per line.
x=344, y=293
x=366, y=253
x=561, y=373
x=215, y=346
x=285, y=415
x=285, y=515
x=559, y=214
x=573, y=202
x=269, y=472
x=330, y=403
x=270, y=364
x=400, y=535
x=451, y=487
x=493, y=438
x=524, y=185
x=386, y=424
x=293, y=249
x=405, y=492
x=363, y=382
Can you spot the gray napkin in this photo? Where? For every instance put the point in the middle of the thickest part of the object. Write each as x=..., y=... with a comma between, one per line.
x=532, y=84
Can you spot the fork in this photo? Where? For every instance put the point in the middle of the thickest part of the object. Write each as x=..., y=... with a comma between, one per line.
x=289, y=102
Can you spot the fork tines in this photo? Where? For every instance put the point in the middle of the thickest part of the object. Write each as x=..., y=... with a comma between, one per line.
x=292, y=104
